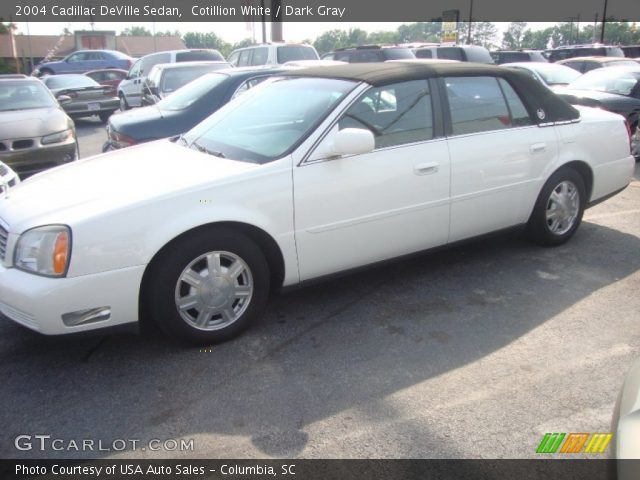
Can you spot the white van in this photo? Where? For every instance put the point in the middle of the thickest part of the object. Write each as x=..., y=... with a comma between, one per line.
x=130, y=89
x=272, y=54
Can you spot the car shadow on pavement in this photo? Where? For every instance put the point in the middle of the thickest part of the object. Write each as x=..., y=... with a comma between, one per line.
x=344, y=346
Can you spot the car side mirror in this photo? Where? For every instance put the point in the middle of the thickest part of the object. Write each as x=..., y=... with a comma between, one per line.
x=349, y=141
x=64, y=99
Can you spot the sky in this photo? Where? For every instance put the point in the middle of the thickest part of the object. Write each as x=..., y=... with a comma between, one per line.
x=233, y=32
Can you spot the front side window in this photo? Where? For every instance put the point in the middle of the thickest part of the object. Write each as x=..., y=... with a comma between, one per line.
x=233, y=58
x=78, y=57
x=135, y=69
x=477, y=104
x=365, y=56
x=396, y=114
x=268, y=121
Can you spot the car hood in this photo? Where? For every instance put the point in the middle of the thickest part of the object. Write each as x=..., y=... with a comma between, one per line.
x=114, y=181
x=34, y=122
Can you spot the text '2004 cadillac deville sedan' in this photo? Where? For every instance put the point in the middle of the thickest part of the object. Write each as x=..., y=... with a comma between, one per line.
x=311, y=173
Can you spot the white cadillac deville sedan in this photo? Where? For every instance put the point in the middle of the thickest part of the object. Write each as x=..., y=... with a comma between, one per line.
x=319, y=171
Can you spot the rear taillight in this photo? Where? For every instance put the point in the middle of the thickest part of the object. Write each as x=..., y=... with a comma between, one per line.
x=72, y=94
x=110, y=92
x=629, y=132
x=120, y=140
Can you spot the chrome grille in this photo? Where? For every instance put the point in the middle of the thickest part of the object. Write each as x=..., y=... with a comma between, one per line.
x=3, y=242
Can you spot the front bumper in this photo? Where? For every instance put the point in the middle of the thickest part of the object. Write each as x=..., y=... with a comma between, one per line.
x=34, y=160
x=39, y=302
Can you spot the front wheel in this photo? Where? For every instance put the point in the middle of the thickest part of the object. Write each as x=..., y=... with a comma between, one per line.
x=558, y=211
x=209, y=287
x=124, y=105
x=104, y=116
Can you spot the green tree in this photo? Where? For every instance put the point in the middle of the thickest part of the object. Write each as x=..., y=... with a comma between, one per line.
x=538, y=39
x=206, y=40
x=247, y=42
x=482, y=33
x=330, y=41
x=419, y=32
x=169, y=33
x=513, y=37
x=135, y=31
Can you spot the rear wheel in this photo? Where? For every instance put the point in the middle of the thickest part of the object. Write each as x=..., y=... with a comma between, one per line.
x=209, y=287
x=558, y=211
x=104, y=116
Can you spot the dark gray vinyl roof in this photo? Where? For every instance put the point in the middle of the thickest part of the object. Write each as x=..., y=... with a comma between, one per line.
x=541, y=102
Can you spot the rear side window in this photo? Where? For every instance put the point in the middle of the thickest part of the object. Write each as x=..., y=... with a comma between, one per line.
x=509, y=57
x=476, y=104
x=423, y=53
x=398, y=54
x=517, y=111
x=451, y=53
x=260, y=56
x=289, y=53
x=199, y=56
x=364, y=56
x=342, y=56
x=396, y=114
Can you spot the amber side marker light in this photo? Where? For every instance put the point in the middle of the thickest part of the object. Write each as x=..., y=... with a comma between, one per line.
x=61, y=253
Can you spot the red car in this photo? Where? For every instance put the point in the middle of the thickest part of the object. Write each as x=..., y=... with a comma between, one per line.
x=108, y=76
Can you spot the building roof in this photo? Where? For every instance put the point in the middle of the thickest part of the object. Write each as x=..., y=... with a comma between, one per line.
x=39, y=45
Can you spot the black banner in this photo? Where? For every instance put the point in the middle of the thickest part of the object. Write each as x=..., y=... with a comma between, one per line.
x=313, y=10
x=570, y=469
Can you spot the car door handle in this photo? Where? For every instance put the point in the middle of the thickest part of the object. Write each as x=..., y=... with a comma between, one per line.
x=538, y=147
x=426, y=168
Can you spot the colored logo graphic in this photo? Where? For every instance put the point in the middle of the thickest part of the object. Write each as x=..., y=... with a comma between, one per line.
x=574, y=443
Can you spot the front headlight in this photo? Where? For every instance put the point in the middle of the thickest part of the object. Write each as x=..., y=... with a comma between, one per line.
x=44, y=250
x=56, y=137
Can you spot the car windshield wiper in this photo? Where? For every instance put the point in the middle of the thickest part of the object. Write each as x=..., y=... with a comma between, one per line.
x=202, y=149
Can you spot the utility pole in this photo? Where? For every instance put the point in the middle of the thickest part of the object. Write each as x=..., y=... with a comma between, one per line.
x=470, y=20
x=263, y=21
x=276, y=20
x=604, y=20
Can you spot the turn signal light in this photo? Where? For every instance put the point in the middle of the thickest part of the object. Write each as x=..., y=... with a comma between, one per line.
x=61, y=253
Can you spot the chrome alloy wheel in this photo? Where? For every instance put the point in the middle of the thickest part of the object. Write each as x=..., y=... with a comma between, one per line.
x=563, y=207
x=214, y=290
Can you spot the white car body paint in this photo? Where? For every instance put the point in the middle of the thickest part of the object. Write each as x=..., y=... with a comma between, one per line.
x=124, y=206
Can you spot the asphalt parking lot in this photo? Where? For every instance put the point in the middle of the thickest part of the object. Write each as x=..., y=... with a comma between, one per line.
x=472, y=352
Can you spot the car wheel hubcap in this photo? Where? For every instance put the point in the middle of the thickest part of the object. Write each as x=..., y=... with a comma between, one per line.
x=214, y=290
x=563, y=207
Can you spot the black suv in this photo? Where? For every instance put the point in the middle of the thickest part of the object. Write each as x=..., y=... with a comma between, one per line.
x=372, y=53
x=514, y=56
x=631, y=51
x=592, y=50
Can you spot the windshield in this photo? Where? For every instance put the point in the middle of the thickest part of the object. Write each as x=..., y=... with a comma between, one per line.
x=556, y=74
x=193, y=91
x=609, y=80
x=174, y=78
x=269, y=120
x=24, y=95
x=69, y=81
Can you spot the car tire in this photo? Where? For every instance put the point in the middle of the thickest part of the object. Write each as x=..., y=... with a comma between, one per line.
x=207, y=287
x=558, y=210
x=124, y=105
x=104, y=116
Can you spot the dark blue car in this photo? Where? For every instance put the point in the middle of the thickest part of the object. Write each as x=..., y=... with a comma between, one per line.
x=85, y=60
x=183, y=109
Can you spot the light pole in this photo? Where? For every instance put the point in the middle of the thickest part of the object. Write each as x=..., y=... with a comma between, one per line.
x=604, y=20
